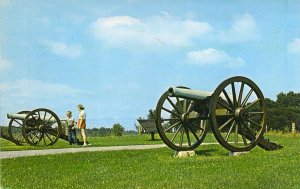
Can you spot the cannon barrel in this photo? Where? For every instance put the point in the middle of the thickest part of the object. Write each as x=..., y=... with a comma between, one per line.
x=188, y=93
x=16, y=116
x=49, y=119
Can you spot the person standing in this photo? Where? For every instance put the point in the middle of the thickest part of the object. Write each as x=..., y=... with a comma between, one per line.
x=82, y=122
x=71, y=128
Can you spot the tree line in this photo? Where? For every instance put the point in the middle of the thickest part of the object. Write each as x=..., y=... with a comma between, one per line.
x=284, y=111
x=116, y=130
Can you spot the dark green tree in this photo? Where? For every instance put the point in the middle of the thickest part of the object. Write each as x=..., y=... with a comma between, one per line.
x=151, y=114
x=284, y=111
x=117, y=129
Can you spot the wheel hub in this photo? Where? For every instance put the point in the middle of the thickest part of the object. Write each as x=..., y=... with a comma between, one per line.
x=240, y=114
x=41, y=128
x=184, y=117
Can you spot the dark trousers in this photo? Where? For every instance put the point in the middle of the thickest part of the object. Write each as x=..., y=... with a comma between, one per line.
x=72, y=135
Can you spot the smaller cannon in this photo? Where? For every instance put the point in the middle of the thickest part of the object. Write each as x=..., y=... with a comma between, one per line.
x=236, y=113
x=38, y=127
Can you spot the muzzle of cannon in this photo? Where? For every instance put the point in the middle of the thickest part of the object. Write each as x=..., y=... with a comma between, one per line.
x=236, y=113
x=188, y=93
x=38, y=127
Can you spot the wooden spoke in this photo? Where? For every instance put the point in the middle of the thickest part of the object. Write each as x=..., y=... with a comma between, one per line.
x=254, y=123
x=197, y=126
x=243, y=135
x=48, y=120
x=44, y=140
x=236, y=134
x=39, y=114
x=44, y=116
x=195, y=134
x=241, y=93
x=173, y=113
x=228, y=99
x=176, y=132
x=229, y=132
x=181, y=137
x=172, y=126
x=180, y=105
x=188, y=136
x=224, y=105
x=252, y=104
x=226, y=123
x=17, y=122
x=233, y=95
x=174, y=106
x=49, y=137
x=18, y=136
x=247, y=98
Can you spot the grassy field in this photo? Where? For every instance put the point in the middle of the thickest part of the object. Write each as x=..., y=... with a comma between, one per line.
x=95, y=141
x=157, y=168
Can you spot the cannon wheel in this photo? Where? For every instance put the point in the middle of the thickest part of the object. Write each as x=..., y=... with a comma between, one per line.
x=238, y=114
x=15, y=130
x=180, y=128
x=41, y=127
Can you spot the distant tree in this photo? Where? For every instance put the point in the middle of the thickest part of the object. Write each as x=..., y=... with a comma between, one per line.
x=151, y=114
x=117, y=129
x=289, y=99
x=284, y=111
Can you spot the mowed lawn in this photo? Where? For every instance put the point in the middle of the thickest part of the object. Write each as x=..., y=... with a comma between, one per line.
x=212, y=167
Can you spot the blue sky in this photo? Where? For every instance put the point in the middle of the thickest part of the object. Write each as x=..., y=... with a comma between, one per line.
x=118, y=57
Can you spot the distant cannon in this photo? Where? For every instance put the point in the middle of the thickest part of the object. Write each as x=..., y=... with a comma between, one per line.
x=38, y=127
x=236, y=113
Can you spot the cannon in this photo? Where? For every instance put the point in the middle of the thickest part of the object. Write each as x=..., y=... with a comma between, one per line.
x=236, y=113
x=38, y=127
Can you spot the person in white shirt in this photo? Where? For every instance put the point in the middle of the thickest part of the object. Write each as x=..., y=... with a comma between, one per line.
x=71, y=128
x=82, y=123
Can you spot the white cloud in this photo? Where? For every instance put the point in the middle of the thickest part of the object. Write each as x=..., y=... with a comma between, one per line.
x=4, y=3
x=34, y=88
x=213, y=56
x=294, y=47
x=126, y=31
x=243, y=28
x=62, y=49
x=4, y=64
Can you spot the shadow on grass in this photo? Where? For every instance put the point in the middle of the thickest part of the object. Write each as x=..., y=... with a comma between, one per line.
x=154, y=140
x=208, y=152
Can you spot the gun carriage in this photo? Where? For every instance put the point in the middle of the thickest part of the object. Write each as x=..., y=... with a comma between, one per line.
x=236, y=113
x=38, y=127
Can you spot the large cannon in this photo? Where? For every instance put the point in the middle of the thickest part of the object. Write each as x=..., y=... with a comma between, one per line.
x=38, y=127
x=236, y=113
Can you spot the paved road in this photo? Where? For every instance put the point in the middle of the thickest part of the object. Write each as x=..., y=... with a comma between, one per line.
x=14, y=154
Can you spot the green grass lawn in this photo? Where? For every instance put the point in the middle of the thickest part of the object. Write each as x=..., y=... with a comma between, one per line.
x=157, y=168
x=95, y=141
